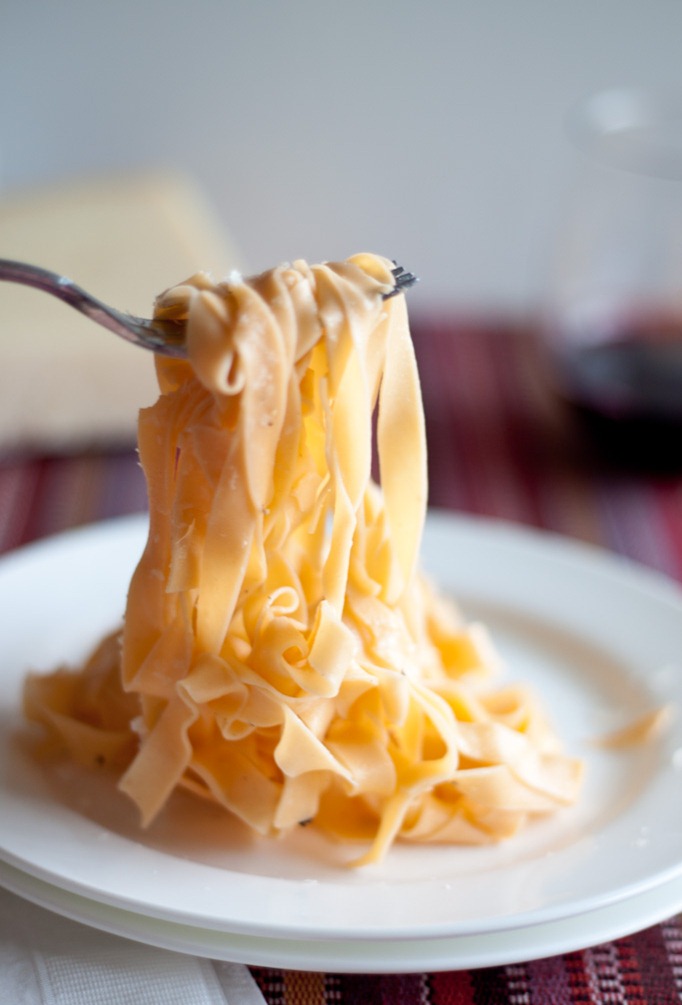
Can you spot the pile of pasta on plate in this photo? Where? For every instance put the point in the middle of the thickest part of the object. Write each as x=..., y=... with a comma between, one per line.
x=281, y=653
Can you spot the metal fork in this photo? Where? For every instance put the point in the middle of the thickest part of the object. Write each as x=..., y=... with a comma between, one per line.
x=164, y=337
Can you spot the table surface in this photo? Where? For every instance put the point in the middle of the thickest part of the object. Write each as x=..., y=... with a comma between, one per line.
x=499, y=445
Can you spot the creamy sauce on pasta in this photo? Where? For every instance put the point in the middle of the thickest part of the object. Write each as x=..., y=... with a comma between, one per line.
x=281, y=653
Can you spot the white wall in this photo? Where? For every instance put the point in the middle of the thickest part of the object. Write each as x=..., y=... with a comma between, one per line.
x=428, y=131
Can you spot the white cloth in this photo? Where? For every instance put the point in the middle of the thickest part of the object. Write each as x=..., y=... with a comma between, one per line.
x=49, y=960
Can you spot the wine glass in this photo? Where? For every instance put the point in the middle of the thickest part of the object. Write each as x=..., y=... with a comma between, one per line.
x=613, y=322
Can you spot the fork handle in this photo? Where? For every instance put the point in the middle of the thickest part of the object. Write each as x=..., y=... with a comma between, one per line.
x=158, y=336
x=63, y=288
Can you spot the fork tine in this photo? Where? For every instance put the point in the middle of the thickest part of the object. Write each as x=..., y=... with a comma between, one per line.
x=403, y=281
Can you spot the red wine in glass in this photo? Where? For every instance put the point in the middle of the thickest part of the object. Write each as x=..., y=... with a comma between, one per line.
x=626, y=390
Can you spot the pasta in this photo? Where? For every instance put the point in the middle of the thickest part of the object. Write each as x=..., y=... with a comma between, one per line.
x=281, y=652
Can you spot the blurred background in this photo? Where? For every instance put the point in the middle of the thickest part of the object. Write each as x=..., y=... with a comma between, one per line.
x=431, y=132
x=141, y=141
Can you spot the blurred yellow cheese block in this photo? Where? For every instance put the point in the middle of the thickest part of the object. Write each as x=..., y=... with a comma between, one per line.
x=65, y=383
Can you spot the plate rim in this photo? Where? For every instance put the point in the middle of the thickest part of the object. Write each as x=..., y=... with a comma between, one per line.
x=572, y=934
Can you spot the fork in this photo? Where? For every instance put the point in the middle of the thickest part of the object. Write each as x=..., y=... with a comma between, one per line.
x=167, y=338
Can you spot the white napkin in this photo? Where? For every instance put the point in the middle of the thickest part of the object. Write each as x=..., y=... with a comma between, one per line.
x=48, y=960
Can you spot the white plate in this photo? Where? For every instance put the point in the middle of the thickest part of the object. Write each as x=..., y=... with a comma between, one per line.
x=463, y=952
x=596, y=636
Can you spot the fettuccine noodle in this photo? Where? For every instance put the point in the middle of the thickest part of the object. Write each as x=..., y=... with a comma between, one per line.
x=281, y=653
